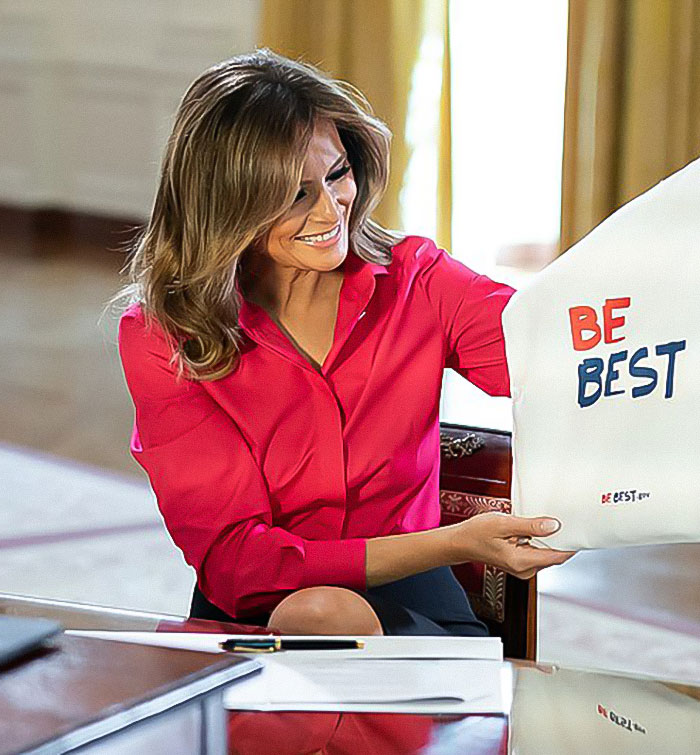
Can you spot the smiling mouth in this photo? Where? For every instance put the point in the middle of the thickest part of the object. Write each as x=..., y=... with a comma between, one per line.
x=320, y=238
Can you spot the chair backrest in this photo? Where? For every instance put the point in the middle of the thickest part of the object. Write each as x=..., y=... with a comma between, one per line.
x=475, y=476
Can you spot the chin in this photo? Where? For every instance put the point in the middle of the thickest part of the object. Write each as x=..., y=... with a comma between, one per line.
x=329, y=259
x=336, y=257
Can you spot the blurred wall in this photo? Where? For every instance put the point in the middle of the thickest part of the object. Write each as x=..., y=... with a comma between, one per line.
x=88, y=91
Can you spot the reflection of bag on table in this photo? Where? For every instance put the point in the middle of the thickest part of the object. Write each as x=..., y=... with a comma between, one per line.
x=603, y=349
x=577, y=712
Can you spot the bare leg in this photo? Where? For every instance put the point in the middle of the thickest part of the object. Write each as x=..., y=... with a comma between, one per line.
x=325, y=610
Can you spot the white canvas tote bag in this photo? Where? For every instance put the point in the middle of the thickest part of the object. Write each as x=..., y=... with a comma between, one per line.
x=603, y=349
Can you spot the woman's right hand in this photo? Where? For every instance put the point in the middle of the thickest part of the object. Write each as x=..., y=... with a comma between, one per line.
x=502, y=540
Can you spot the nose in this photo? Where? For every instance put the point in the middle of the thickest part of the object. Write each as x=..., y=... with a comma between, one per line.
x=328, y=207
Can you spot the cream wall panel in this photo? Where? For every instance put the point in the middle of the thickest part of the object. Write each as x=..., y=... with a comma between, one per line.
x=16, y=142
x=107, y=149
x=88, y=92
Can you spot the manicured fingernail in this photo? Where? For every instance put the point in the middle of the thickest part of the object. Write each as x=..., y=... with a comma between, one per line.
x=550, y=525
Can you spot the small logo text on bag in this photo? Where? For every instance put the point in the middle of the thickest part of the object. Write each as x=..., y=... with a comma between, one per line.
x=625, y=723
x=623, y=496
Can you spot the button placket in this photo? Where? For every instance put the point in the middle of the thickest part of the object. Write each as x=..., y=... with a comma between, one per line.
x=351, y=300
x=338, y=461
x=355, y=296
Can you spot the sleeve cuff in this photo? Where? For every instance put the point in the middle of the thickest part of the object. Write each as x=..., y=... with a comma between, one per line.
x=335, y=562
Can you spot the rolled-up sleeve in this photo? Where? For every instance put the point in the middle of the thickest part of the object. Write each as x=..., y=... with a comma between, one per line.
x=211, y=493
x=468, y=307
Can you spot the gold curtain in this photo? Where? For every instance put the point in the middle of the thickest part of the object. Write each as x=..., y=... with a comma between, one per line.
x=632, y=113
x=374, y=45
x=444, y=188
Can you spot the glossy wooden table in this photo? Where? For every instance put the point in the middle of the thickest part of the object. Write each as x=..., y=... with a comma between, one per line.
x=553, y=711
x=80, y=694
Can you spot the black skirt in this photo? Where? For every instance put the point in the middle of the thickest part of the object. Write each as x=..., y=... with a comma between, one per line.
x=430, y=603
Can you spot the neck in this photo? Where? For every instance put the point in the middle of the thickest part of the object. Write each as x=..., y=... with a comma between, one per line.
x=279, y=289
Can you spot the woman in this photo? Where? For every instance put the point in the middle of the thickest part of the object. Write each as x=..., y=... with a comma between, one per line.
x=284, y=353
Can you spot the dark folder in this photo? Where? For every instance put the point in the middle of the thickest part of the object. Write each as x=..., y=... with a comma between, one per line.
x=19, y=636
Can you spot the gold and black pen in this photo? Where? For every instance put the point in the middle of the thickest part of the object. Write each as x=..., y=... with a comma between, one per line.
x=272, y=644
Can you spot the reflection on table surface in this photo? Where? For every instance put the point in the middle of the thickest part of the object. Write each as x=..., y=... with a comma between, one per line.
x=554, y=710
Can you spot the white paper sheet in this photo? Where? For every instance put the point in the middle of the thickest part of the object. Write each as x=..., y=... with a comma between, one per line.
x=391, y=674
x=416, y=648
x=405, y=686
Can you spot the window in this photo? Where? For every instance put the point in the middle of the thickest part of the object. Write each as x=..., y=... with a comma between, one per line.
x=508, y=77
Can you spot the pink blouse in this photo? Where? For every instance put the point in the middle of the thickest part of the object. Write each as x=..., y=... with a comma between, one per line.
x=271, y=478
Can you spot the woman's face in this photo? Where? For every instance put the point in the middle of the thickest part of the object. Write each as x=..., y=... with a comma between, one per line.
x=322, y=206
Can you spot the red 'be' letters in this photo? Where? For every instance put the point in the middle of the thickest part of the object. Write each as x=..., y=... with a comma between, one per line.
x=586, y=332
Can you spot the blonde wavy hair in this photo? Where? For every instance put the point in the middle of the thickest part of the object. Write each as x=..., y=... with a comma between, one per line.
x=231, y=168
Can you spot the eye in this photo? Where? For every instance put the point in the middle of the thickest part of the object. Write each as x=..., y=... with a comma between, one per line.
x=339, y=173
x=333, y=177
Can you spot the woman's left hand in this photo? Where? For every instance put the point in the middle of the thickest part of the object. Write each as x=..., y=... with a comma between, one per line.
x=503, y=541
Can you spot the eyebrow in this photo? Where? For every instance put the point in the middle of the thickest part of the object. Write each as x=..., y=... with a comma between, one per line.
x=343, y=156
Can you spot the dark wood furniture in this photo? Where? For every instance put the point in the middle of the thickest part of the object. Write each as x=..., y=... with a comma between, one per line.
x=475, y=477
x=105, y=697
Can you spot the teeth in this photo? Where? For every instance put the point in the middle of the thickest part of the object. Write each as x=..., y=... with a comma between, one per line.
x=322, y=237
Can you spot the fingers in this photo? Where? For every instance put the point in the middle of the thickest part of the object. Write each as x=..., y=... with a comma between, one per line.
x=526, y=561
x=541, y=557
x=503, y=540
x=526, y=527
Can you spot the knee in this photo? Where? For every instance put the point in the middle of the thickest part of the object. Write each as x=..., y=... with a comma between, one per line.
x=325, y=610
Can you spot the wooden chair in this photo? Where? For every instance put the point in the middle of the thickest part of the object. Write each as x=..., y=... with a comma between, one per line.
x=475, y=476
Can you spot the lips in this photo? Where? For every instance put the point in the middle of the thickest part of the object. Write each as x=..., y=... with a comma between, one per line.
x=317, y=237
